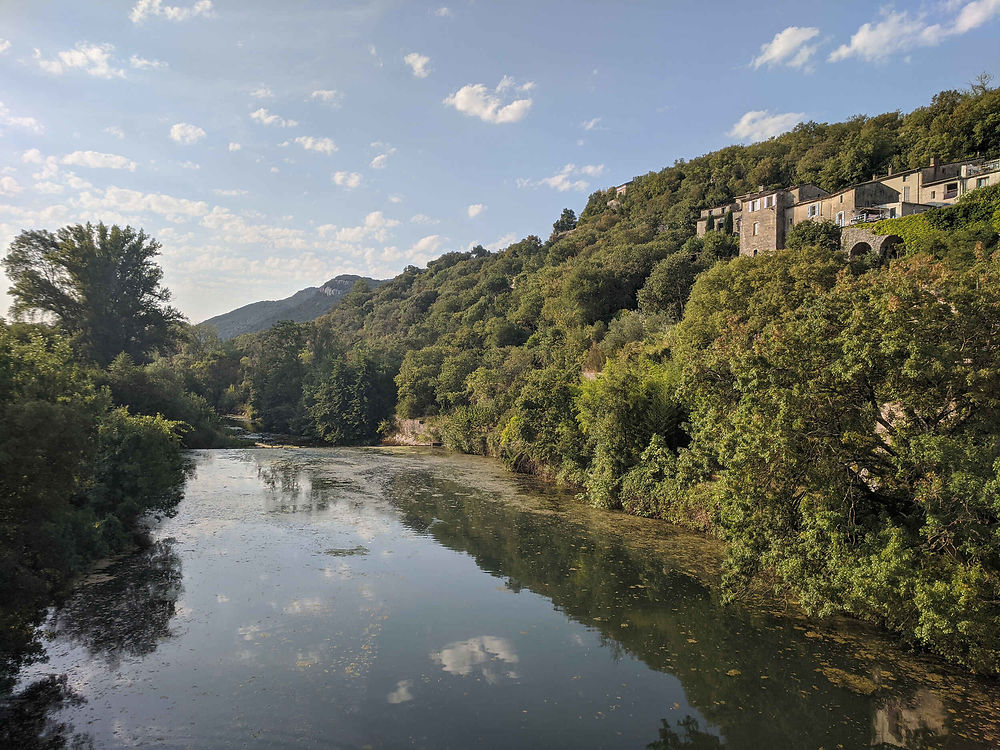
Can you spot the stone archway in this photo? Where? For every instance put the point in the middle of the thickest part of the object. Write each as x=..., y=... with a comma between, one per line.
x=892, y=247
x=859, y=250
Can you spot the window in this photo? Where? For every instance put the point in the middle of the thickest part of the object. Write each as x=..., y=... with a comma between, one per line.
x=904, y=177
x=841, y=197
x=756, y=228
x=840, y=219
x=769, y=201
x=950, y=190
x=982, y=182
x=906, y=194
x=813, y=210
x=933, y=194
x=892, y=212
x=753, y=205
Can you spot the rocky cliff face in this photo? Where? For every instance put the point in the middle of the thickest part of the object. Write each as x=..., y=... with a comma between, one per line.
x=306, y=304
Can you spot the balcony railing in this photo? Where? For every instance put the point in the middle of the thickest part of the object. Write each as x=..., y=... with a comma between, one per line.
x=993, y=165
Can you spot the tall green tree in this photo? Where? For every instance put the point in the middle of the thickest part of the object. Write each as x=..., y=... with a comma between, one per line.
x=99, y=284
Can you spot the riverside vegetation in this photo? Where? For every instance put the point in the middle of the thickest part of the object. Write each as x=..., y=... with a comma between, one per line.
x=833, y=420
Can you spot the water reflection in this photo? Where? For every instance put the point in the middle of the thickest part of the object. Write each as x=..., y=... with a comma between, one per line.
x=27, y=718
x=339, y=596
x=125, y=609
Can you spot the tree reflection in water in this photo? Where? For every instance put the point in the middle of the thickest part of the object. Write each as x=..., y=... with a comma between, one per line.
x=26, y=718
x=125, y=611
x=691, y=737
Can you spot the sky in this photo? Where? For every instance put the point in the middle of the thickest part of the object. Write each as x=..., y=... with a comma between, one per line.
x=271, y=146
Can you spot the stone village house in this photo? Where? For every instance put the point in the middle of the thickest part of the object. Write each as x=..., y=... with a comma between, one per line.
x=763, y=218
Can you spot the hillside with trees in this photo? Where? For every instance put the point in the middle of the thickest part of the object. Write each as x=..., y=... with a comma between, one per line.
x=833, y=419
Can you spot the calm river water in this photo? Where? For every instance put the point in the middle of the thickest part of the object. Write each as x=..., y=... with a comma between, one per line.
x=369, y=598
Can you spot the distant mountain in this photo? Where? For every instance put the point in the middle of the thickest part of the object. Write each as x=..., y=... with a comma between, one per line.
x=306, y=304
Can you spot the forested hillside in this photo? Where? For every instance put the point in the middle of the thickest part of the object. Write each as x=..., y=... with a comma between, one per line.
x=834, y=421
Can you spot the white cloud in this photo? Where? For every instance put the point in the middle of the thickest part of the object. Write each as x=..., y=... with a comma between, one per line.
x=327, y=96
x=443, y=12
x=144, y=9
x=262, y=92
x=475, y=209
x=133, y=202
x=590, y=124
x=475, y=100
x=189, y=165
x=97, y=160
x=567, y=178
x=231, y=193
x=26, y=123
x=236, y=229
x=9, y=186
x=423, y=219
x=116, y=131
x=4, y=45
x=322, y=145
x=788, y=47
x=396, y=198
x=269, y=118
x=48, y=188
x=418, y=64
x=373, y=53
x=349, y=180
x=93, y=59
x=898, y=31
x=760, y=125
x=380, y=161
x=375, y=227
x=233, y=146
x=141, y=63
x=186, y=133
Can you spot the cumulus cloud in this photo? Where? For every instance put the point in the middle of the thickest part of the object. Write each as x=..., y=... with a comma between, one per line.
x=233, y=146
x=237, y=229
x=443, y=12
x=116, y=131
x=475, y=209
x=97, y=160
x=380, y=161
x=485, y=654
x=898, y=31
x=16, y=121
x=4, y=45
x=590, y=124
x=418, y=64
x=759, y=125
x=186, y=133
x=789, y=47
x=567, y=178
x=133, y=202
x=92, y=59
x=402, y=693
x=375, y=227
x=9, y=186
x=264, y=117
x=322, y=145
x=327, y=96
x=475, y=100
x=423, y=219
x=349, y=180
x=141, y=63
x=144, y=9
x=262, y=92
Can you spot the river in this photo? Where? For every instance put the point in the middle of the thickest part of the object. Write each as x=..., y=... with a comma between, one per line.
x=382, y=598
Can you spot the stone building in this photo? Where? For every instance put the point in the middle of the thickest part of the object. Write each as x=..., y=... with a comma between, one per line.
x=764, y=218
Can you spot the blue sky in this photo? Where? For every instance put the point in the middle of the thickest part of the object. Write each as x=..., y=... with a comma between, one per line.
x=270, y=146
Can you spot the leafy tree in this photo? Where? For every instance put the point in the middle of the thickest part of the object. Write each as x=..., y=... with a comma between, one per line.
x=99, y=284
x=824, y=234
x=566, y=221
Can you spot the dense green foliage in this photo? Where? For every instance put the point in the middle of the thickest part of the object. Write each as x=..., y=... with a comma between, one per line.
x=99, y=284
x=76, y=475
x=833, y=420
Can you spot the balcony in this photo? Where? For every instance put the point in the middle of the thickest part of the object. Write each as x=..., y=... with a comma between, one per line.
x=993, y=165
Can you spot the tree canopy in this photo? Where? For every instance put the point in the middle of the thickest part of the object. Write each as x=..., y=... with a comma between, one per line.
x=99, y=284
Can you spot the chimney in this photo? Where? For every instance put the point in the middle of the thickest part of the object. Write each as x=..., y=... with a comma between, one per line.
x=890, y=170
x=933, y=161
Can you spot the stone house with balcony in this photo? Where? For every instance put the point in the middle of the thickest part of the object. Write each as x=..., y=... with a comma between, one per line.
x=763, y=218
